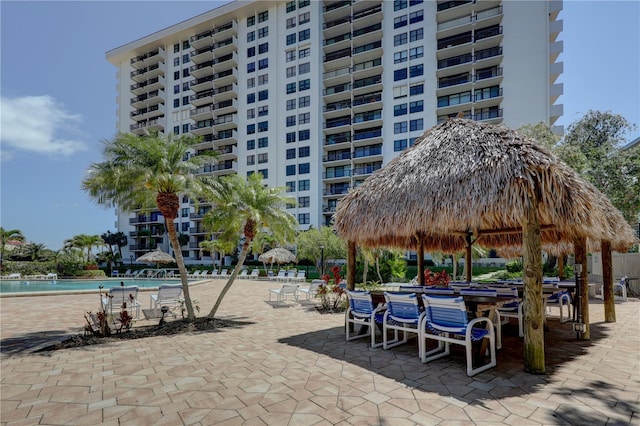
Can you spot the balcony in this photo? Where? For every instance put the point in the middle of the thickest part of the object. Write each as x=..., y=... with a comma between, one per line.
x=336, y=10
x=221, y=63
x=147, y=113
x=226, y=46
x=337, y=76
x=223, y=31
x=368, y=152
x=456, y=40
x=336, y=174
x=148, y=85
x=202, y=39
x=367, y=118
x=334, y=108
x=455, y=61
x=201, y=70
x=555, y=49
x=367, y=136
x=144, y=126
x=336, y=156
x=148, y=58
x=367, y=51
x=336, y=190
x=490, y=16
x=448, y=10
x=146, y=99
x=493, y=114
x=367, y=169
x=147, y=73
x=487, y=37
x=367, y=84
x=337, y=39
x=337, y=26
x=454, y=80
x=490, y=96
x=445, y=28
x=338, y=138
x=337, y=122
x=203, y=54
x=338, y=54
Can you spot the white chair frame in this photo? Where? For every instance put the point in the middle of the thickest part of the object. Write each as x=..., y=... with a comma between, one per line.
x=284, y=291
x=362, y=311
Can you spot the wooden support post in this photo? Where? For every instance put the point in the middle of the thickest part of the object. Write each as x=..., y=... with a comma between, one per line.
x=533, y=303
x=467, y=259
x=580, y=253
x=351, y=265
x=607, y=282
x=420, y=260
x=561, y=266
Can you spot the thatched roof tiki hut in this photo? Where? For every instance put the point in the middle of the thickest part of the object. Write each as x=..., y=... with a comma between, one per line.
x=465, y=181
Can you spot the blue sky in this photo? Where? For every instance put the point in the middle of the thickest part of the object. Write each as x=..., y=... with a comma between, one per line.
x=59, y=98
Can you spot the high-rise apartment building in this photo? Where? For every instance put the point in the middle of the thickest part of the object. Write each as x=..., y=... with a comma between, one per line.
x=317, y=95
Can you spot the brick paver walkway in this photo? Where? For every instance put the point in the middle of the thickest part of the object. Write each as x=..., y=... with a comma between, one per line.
x=286, y=364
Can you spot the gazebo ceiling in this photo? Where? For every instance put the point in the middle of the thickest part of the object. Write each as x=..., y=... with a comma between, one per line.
x=468, y=178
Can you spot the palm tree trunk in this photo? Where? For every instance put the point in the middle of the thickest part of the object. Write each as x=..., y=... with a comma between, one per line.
x=177, y=252
x=232, y=278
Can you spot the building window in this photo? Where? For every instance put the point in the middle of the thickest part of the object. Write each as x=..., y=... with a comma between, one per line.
x=251, y=160
x=304, y=101
x=251, y=36
x=263, y=48
x=416, y=124
x=291, y=137
x=304, y=135
x=185, y=228
x=251, y=98
x=251, y=21
x=290, y=170
x=176, y=130
x=304, y=84
x=176, y=61
x=176, y=75
x=304, y=218
x=290, y=55
x=304, y=168
x=251, y=82
x=304, y=201
x=400, y=39
x=291, y=6
x=185, y=86
x=176, y=89
x=185, y=58
x=400, y=127
x=263, y=16
x=416, y=35
x=415, y=2
x=399, y=57
x=416, y=52
x=303, y=3
x=416, y=70
x=291, y=104
x=416, y=89
x=399, y=92
x=251, y=52
x=400, y=21
x=416, y=16
x=399, y=4
x=304, y=68
x=251, y=129
x=304, y=151
x=304, y=118
x=399, y=145
x=264, y=173
x=263, y=126
x=251, y=113
x=263, y=32
x=185, y=128
x=304, y=185
x=291, y=39
x=185, y=72
x=263, y=79
x=400, y=74
x=290, y=185
x=291, y=121
x=291, y=153
x=263, y=63
x=185, y=45
x=263, y=110
x=291, y=71
x=303, y=53
x=176, y=103
x=304, y=18
x=263, y=95
x=185, y=100
x=291, y=88
x=263, y=142
x=416, y=106
x=176, y=48
x=304, y=35
x=251, y=67
x=251, y=144
x=263, y=158
x=399, y=110
x=291, y=23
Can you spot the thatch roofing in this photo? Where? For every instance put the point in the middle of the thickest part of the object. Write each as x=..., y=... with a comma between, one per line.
x=463, y=177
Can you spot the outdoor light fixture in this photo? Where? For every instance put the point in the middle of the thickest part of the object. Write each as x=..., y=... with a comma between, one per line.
x=578, y=326
x=130, y=260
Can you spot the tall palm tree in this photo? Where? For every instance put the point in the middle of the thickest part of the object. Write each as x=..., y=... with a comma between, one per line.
x=84, y=242
x=243, y=207
x=6, y=236
x=147, y=172
x=220, y=245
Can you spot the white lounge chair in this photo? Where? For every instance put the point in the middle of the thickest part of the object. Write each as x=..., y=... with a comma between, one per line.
x=282, y=275
x=311, y=291
x=169, y=295
x=127, y=274
x=286, y=290
x=255, y=274
x=52, y=276
x=299, y=277
x=14, y=276
x=195, y=274
x=243, y=274
x=122, y=298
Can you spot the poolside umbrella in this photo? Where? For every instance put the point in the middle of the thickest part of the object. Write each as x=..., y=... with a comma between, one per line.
x=277, y=255
x=157, y=257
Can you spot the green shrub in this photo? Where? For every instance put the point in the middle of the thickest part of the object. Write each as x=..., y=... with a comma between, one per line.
x=513, y=267
x=93, y=274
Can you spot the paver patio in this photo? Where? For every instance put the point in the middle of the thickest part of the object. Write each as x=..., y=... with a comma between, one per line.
x=287, y=364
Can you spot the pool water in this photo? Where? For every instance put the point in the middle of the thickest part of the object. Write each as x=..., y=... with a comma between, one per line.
x=33, y=286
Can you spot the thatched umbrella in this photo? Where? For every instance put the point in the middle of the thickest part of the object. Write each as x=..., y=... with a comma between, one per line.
x=157, y=257
x=277, y=255
x=464, y=180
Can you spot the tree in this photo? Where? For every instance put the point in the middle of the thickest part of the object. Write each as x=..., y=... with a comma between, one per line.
x=5, y=237
x=309, y=245
x=84, y=242
x=243, y=207
x=147, y=172
x=220, y=245
x=542, y=133
x=593, y=146
x=34, y=251
x=118, y=239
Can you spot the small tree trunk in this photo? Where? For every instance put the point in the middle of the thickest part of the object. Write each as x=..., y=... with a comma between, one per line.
x=532, y=274
x=365, y=269
x=177, y=252
x=580, y=247
x=420, y=261
x=351, y=265
x=468, y=260
x=561, y=266
x=232, y=278
x=607, y=282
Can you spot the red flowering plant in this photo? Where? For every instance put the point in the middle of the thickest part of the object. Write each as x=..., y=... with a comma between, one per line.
x=438, y=279
x=332, y=294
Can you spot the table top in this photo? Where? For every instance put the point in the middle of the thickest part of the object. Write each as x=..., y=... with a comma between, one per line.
x=473, y=302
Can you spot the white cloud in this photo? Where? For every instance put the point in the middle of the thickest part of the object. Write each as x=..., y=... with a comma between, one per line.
x=35, y=124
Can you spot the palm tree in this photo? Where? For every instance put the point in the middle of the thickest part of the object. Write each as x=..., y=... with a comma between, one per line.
x=243, y=207
x=5, y=237
x=84, y=242
x=147, y=172
x=220, y=245
x=34, y=251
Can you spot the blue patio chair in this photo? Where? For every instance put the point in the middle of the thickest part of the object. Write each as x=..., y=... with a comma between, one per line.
x=446, y=321
x=403, y=314
x=508, y=311
x=559, y=300
x=362, y=311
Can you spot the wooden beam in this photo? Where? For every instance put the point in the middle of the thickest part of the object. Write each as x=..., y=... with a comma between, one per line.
x=351, y=265
x=467, y=258
x=580, y=253
x=607, y=283
x=420, y=260
x=533, y=304
x=561, y=266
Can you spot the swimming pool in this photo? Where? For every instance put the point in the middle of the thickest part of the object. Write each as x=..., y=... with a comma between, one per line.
x=34, y=286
